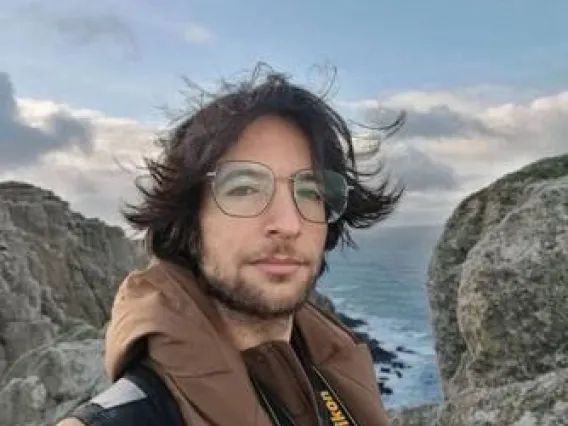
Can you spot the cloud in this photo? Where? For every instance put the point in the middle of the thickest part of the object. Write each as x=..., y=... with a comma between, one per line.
x=458, y=128
x=96, y=182
x=80, y=29
x=198, y=34
x=465, y=100
x=438, y=121
x=539, y=126
x=418, y=208
x=455, y=143
x=439, y=167
x=418, y=171
x=21, y=142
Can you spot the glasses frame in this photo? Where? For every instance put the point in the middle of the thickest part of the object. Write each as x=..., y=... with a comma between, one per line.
x=289, y=179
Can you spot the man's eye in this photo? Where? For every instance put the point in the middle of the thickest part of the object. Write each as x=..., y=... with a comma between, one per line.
x=242, y=190
x=309, y=194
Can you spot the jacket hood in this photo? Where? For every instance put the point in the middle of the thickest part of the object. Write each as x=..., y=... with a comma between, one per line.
x=186, y=343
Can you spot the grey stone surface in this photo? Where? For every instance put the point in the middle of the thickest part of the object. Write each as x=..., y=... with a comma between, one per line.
x=504, y=244
x=539, y=402
x=420, y=415
x=44, y=384
x=498, y=292
x=56, y=267
x=512, y=307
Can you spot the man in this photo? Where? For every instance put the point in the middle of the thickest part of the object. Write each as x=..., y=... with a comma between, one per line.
x=248, y=195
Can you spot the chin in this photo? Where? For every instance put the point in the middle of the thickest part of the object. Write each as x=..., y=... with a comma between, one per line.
x=268, y=309
x=259, y=295
x=285, y=301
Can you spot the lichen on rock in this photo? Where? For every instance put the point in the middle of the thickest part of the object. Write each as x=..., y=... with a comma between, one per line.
x=498, y=293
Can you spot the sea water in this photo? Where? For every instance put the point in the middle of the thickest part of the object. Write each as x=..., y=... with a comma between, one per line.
x=383, y=282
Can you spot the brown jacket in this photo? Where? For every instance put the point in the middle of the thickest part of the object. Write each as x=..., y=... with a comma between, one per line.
x=189, y=348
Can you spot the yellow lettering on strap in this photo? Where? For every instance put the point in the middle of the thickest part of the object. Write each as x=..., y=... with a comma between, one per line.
x=337, y=416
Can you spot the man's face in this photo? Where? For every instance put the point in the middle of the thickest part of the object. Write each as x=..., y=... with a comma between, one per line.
x=264, y=266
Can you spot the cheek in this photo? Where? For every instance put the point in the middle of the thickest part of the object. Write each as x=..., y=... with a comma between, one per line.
x=221, y=238
x=315, y=239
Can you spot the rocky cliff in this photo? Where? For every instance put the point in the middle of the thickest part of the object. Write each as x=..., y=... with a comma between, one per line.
x=56, y=268
x=498, y=291
x=58, y=275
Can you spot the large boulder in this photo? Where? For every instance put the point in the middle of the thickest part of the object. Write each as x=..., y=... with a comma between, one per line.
x=498, y=281
x=47, y=382
x=58, y=275
x=498, y=291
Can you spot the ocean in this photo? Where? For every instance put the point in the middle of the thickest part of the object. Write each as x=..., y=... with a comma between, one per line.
x=384, y=284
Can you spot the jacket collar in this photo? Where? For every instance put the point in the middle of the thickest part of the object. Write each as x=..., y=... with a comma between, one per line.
x=187, y=343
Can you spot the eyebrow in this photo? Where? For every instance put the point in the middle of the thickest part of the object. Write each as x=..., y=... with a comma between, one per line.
x=311, y=177
x=241, y=172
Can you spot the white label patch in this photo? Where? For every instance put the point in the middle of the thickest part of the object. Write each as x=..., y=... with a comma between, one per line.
x=121, y=392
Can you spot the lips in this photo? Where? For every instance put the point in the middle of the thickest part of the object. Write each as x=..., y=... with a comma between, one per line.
x=278, y=266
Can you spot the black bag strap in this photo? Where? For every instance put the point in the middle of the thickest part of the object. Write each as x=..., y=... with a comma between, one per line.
x=275, y=410
x=152, y=384
x=157, y=406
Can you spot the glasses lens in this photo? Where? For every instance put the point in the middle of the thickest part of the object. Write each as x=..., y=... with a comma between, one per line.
x=321, y=196
x=243, y=189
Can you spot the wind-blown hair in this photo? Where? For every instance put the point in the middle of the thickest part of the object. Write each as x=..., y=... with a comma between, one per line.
x=169, y=211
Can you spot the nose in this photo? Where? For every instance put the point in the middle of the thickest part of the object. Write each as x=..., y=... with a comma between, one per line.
x=282, y=215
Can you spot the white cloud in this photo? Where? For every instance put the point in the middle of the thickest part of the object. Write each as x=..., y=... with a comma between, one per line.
x=419, y=171
x=465, y=100
x=455, y=143
x=440, y=170
x=442, y=127
x=96, y=183
x=198, y=34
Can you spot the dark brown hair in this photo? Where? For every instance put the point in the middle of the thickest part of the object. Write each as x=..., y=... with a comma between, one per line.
x=169, y=210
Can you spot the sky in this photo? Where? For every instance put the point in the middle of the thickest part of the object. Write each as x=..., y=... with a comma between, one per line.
x=83, y=85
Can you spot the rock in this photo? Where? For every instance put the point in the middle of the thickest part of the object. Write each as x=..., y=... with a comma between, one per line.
x=513, y=294
x=404, y=350
x=422, y=415
x=49, y=381
x=498, y=281
x=56, y=267
x=350, y=322
x=58, y=275
x=498, y=291
x=542, y=402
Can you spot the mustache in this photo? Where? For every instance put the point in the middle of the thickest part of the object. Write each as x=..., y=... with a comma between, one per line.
x=278, y=250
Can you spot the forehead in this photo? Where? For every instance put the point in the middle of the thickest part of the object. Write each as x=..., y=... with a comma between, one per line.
x=274, y=141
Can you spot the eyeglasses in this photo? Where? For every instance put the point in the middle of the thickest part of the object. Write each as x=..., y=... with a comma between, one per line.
x=245, y=189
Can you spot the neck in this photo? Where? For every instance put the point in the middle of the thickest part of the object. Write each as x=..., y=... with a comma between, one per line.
x=247, y=332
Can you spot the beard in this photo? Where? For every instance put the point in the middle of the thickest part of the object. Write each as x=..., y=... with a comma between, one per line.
x=245, y=297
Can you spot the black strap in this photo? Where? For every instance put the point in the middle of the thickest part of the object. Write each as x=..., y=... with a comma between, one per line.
x=331, y=408
x=158, y=407
x=152, y=384
x=272, y=406
x=330, y=404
